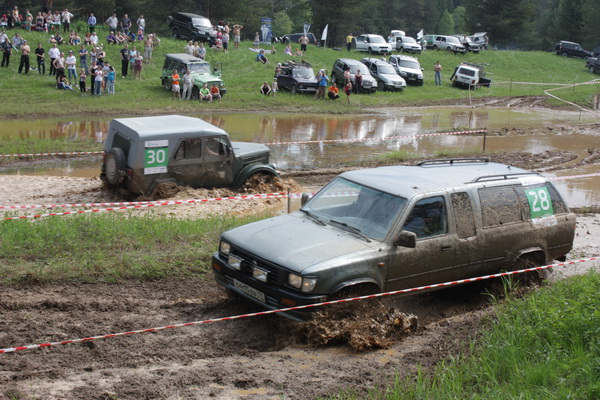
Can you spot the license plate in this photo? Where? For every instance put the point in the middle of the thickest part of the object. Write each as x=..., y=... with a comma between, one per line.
x=249, y=290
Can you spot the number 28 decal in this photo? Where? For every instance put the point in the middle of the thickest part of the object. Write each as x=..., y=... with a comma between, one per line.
x=540, y=203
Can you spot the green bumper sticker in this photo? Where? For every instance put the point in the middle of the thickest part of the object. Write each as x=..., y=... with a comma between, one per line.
x=540, y=203
x=156, y=157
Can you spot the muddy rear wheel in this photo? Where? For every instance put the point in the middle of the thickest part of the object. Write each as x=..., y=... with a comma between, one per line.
x=114, y=166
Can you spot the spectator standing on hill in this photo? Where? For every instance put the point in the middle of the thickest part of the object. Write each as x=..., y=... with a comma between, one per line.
x=91, y=22
x=112, y=22
x=71, y=62
x=110, y=80
x=82, y=79
x=148, y=46
x=187, y=85
x=189, y=48
x=126, y=24
x=93, y=70
x=349, y=41
x=39, y=54
x=358, y=81
x=236, y=35
x=137, y=66
x=66, y=20
x=98, y=82
x=83, y=58
x=6, y=47
x=54, y=53
x=141, y=23
x=256, y=40
x=59, y=66
x=348, y=90
x=303, y=42
x=124, y=60
x=175, y=85
x=225, y=40
x=323, y=80
x=438, y=73
x=25, y=50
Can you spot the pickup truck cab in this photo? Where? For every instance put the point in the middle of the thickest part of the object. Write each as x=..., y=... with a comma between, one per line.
x=398, y=227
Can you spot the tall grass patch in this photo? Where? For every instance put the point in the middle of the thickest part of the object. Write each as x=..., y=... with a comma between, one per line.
x=108, y=247
x=545, y=346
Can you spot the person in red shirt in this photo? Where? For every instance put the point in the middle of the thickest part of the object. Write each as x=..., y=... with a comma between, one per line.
x=175, y=85
x=215, y=92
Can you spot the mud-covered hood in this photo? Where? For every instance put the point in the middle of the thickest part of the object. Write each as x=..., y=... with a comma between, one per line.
x=295, y=241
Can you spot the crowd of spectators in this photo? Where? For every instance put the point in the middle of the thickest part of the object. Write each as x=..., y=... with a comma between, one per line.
x=87, y=51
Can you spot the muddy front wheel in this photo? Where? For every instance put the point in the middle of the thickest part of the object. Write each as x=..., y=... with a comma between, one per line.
x=114, y=166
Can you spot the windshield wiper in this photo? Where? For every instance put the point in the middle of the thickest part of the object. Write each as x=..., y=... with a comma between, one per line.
x=314, y=217
x=350, y=228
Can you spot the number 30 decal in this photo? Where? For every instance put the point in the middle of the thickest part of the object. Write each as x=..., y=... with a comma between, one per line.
x=540, y=203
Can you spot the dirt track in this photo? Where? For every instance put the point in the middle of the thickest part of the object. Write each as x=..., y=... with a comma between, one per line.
x=253, y=358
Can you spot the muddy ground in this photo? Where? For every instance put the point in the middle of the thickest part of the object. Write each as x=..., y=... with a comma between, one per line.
x=264, y=357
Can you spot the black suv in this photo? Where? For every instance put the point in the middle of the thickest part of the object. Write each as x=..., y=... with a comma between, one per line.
x=192, y=27
x=297, y=77
x=564, y=48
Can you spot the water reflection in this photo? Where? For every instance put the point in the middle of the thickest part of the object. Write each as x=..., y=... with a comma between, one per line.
x=358, y=137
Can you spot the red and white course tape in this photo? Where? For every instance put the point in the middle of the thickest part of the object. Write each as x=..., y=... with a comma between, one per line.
x=74, y=153
x=326, y=303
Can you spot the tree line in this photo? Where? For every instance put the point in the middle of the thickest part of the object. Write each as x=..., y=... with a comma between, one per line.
x=511, y=24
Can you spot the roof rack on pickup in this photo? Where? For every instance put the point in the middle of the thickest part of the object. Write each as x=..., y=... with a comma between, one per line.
x=452, y=161
x=489, y=178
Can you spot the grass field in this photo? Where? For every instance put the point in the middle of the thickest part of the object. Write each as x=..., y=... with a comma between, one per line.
x=29, y=96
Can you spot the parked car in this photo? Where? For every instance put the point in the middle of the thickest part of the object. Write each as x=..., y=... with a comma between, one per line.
x=397, y=227
x=200, y=70
x=407, y=44
x=371, y=44
x=369, y=84
x=408, y=68
x=384, y=74
x=571, y=49
x=468, y=43
x=448, y=43
x=470, y=76
x=593, y=65
x=143, y=155
x=481, y=39
x=192, y=27
x=297, y=77
x=292, y=38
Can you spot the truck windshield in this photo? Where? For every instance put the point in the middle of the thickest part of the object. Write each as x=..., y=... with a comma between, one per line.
x=303, y=72
x=200, y=68
x=371, y=212
x=201, y=22
x=410, y=64
x=386, y=69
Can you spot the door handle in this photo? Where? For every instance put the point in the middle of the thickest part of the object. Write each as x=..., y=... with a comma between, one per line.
x=446, y=247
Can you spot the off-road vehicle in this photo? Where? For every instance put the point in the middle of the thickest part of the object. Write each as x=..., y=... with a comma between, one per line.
x=448, y=43
x=143, y=155
x=571, y=49
x=398, y=227
x=369, y=84
x=470, y=76
x=200, y=70
x=297, y=77
x=192, y=27
x=407, y=44
x=408, y=68
x=385, y=74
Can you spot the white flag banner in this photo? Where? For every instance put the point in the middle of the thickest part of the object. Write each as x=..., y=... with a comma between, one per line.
x=420, y=34
x=324, y=35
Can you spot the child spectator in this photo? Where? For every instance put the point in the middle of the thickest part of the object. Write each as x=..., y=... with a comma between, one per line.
x=82, y=78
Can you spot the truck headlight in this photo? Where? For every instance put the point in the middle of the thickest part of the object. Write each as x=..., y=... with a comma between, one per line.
x=224, y=248
x=234, y=262
x=305, y=284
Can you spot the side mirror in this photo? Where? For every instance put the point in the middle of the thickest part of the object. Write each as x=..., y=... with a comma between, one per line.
x=305, y=198
x=406, y=239
x=422, y=69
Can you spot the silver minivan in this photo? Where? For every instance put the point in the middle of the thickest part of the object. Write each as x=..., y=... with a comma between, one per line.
x=398, y=227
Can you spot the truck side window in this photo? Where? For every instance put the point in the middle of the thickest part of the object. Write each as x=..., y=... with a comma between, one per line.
x=499, y=205
x=215, y=147
x=427, y=218
x=189, y=148
x=463, y=215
